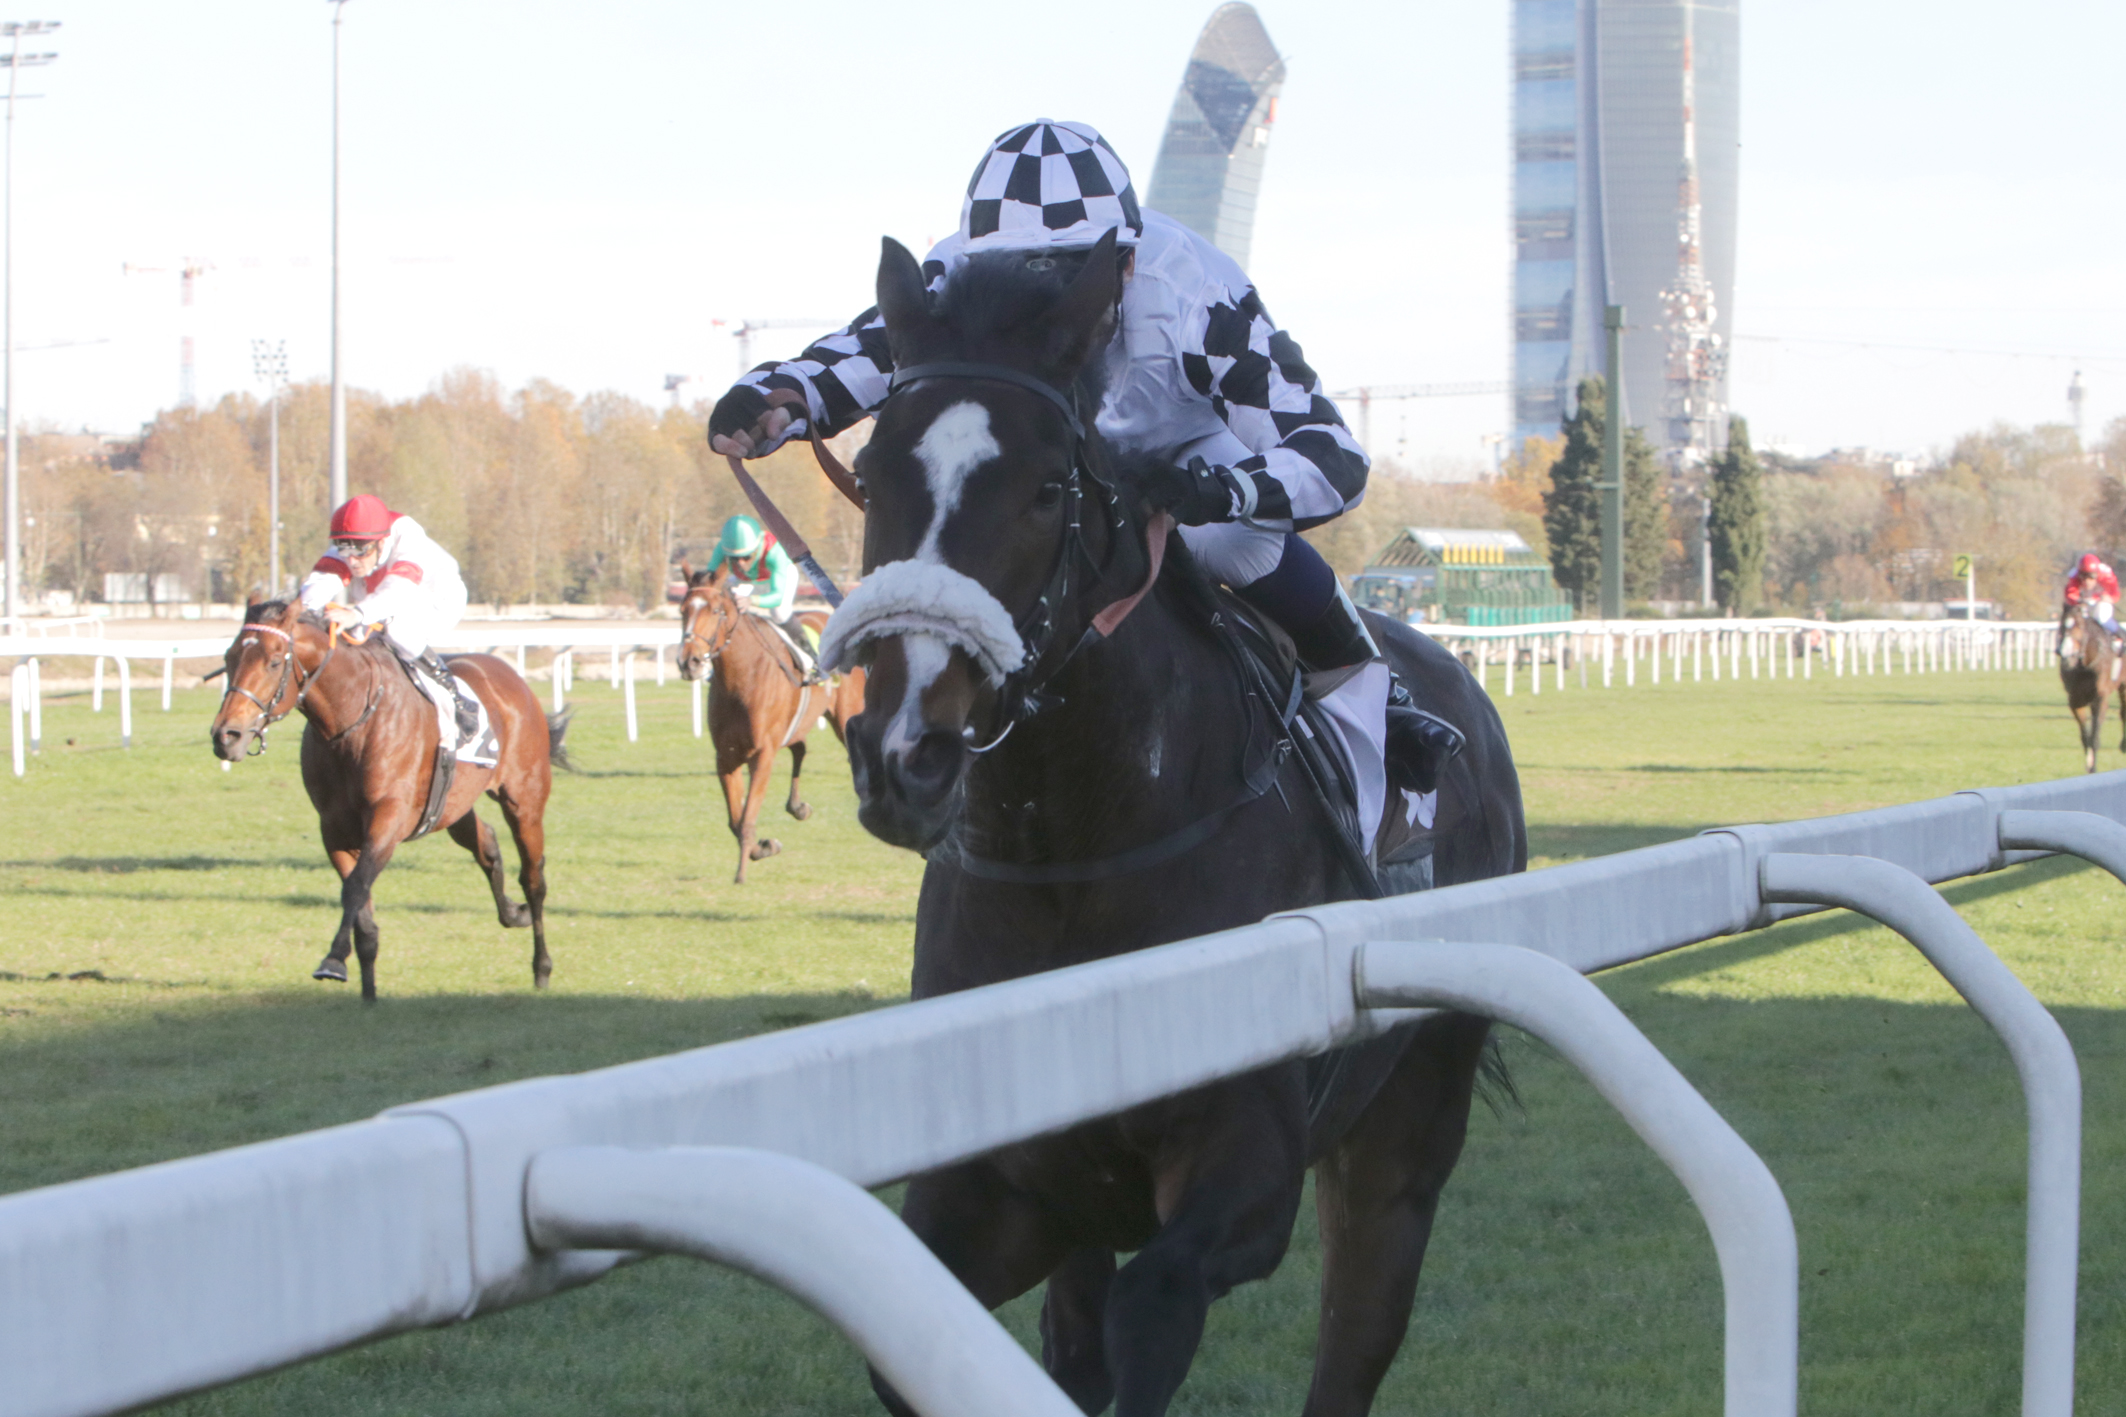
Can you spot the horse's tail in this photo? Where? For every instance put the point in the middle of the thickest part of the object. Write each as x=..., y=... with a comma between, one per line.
x=557, y=739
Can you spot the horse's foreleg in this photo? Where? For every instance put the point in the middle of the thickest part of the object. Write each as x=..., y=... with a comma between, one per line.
x=1375, y=1194
x=333, y=967
x=528, y=829
x=734, y=802
x=356, y=915
x=1234, y=1197
x=751, y=845
x=796, y=805
x=1073, y=1323
x=997, y=1240
x=478, y=837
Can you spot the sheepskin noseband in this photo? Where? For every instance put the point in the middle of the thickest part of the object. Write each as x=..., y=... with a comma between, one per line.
x=924, y=598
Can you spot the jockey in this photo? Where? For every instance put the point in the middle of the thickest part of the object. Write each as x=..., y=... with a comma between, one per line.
x=382, y=569
x=2094, y=584
x=1248, y=450
x=766, y=579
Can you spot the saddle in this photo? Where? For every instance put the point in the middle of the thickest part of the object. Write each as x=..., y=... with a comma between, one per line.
x=464, y=732
x=1402, y=859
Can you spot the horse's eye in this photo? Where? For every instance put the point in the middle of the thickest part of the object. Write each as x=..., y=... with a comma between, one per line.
x=1050, y=494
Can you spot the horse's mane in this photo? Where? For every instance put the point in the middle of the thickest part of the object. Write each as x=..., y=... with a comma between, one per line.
x=273, y=611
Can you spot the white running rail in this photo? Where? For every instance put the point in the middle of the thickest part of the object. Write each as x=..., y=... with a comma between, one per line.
x=128, y=1288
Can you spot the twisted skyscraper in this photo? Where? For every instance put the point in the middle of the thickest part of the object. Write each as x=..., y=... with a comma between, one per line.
x=1625, y=139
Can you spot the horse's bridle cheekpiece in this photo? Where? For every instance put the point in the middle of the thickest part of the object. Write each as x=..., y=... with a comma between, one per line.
x=1020, y=695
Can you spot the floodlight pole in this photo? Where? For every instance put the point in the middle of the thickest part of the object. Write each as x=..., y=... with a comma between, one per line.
x=270, y=362
x=338, y=478
x=1612, y=483
x=13, y=31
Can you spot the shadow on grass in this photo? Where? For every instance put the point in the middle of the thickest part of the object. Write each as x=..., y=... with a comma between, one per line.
x=1566, y=842
x=130, y=865
x=1768, y=772
x=107, y=1093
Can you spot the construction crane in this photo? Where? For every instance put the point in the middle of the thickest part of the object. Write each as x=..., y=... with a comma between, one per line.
x=188, y=270
x=1367, y=394
x=743, y=331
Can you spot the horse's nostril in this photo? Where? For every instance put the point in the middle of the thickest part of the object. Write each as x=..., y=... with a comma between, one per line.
x=928, y=769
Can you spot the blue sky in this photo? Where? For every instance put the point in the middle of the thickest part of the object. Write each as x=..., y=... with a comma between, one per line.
x=578, y=192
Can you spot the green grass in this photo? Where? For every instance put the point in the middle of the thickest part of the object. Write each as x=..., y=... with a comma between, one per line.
x=1569, y=1274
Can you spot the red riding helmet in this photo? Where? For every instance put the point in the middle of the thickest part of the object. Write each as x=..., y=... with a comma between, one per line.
x=366, y=518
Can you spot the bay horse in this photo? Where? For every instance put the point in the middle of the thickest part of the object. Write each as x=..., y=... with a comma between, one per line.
x=2091, y=670
x=758, y=701
x=369, y=755
x=1056, y=746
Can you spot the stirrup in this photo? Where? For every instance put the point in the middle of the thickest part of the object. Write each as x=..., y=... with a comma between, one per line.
x=1419, y=743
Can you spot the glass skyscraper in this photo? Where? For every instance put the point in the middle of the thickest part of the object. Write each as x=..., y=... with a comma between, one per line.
x=1210, y=162
x=1598, y=166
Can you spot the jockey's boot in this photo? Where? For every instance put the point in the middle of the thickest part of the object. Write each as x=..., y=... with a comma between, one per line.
x=1417, y=744
x=432, y=665
x=807, y=657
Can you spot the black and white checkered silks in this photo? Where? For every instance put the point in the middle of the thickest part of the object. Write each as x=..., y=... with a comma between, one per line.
x=1049, y=185
x=1199, y=368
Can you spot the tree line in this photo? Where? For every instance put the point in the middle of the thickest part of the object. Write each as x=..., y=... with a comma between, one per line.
x=548, y=497
x=542, y=495
x=1847, y=533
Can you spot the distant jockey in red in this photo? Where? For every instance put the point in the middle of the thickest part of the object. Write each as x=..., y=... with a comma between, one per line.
x=382, y=569
x=2096, y=585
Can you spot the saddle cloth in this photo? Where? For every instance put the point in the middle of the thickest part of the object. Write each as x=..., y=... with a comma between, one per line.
x=483, y=749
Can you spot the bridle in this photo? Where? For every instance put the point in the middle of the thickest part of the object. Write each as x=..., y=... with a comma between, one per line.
x=725, y=625
x=1020, y=694
x=290, y=665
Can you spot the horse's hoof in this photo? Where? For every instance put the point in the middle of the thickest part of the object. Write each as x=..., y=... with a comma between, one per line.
x=331, y=970
x=539, y=979
x=766, y=847
x=802, y=810
x=516, y=917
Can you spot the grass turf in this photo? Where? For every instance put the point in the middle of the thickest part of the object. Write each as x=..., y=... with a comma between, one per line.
x=158, y=918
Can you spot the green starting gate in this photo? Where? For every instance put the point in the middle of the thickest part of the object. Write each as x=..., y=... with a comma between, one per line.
x=1462, y=578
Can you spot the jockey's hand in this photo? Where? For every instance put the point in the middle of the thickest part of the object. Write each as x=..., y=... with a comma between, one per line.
x=347, y=620
x=743, y=426
x=1197, y=494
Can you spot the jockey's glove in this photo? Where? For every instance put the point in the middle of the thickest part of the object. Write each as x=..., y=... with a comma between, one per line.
x=1197, y=494
x=741, y=410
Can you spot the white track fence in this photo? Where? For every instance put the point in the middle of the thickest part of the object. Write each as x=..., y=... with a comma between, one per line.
x=128, y=1288
x=1605, y=653
x=1609, y=653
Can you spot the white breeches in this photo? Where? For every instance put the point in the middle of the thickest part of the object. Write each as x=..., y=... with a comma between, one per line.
x=411, y=632
x=1234, y=552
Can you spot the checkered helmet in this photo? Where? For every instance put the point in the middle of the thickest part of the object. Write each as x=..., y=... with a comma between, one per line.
x=1048, y=185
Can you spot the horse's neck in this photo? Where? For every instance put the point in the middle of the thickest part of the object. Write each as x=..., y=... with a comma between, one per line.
x=1148, y=737
x=340, y=690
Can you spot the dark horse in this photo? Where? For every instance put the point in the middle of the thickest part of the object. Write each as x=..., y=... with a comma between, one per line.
x=997, y=533
x=369, y=756
x=758, y=702
x=2091, y=670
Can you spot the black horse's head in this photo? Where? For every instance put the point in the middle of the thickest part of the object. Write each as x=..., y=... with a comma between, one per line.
x=993, y=535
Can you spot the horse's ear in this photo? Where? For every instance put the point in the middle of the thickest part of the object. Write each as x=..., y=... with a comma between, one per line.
x=1083, y=319
x=686, y=570
x=901, y=298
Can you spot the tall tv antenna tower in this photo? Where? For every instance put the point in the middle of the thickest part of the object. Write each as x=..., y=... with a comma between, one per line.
x=1697, y=357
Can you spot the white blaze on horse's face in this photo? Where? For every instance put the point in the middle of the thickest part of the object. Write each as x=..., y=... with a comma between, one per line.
x=956, y=443
x=926, y=657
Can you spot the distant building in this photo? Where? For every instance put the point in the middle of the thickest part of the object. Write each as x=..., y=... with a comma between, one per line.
x=1624, y=194
x=1210, y=162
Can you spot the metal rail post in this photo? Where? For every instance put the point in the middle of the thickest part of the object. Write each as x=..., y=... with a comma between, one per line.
x=17, y=688
x=629, y=693
x=1753, y=1232
x=2095, y=839
x=2052, y=1085
x=812, y=1234
x=125, y=702
x=697, y=713
x=169, y=671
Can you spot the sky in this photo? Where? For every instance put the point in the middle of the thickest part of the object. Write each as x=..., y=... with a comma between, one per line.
x=1930, y=203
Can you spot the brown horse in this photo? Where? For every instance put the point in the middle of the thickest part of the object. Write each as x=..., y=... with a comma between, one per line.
x=2091, y=670
x=758, y=702
x=369, y=756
